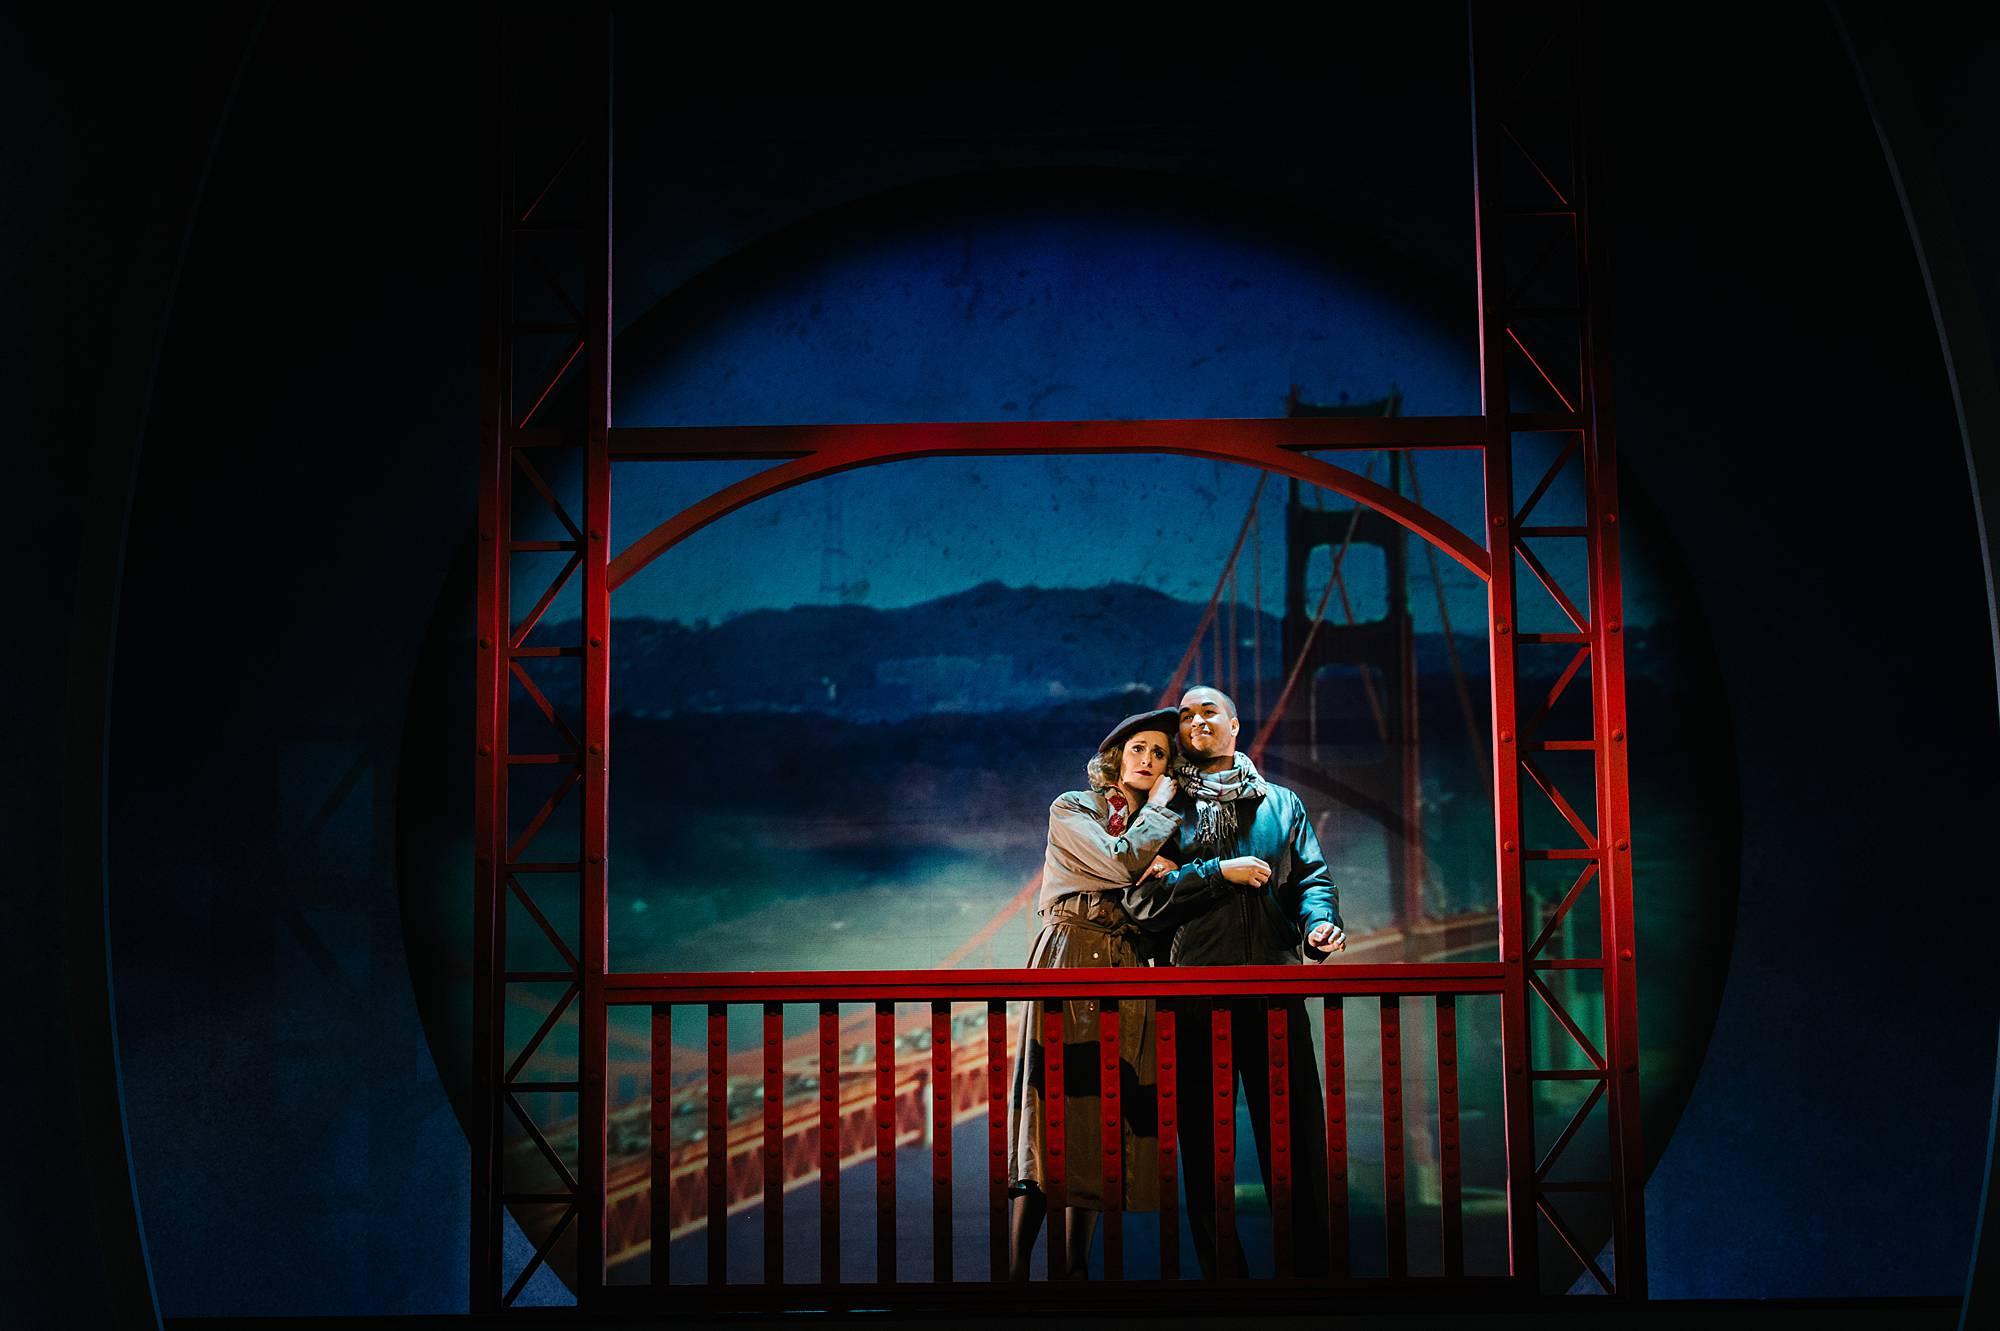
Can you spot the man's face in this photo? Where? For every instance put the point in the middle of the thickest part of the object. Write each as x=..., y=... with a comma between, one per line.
x=1208, y=725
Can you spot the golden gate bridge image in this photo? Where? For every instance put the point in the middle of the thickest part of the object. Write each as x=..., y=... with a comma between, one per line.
x=713, y=1091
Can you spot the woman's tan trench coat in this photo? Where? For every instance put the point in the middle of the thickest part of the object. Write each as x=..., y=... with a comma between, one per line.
x=1085, y=923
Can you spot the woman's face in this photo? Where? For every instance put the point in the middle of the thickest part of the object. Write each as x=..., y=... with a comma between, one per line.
x=1143, y=759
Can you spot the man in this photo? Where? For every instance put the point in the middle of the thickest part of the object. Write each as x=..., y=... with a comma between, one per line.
x=1222, y=916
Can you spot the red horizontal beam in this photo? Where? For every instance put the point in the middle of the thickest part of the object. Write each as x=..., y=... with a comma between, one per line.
x=981, y=985
x=680, y=443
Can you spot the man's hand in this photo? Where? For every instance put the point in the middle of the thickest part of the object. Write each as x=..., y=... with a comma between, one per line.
x=1246, y=871
x=1163, y=791
x=1159, y=868
x=1327, y=938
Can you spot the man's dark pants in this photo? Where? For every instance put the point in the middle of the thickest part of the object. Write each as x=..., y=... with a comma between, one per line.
x=1195, y=1089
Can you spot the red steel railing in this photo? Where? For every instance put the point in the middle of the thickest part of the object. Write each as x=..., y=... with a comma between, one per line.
x=1176, y=987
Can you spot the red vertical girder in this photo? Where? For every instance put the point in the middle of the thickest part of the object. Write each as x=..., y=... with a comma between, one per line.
x=593, y=1109
x=1170, y=1125
x=1395, y=1224
x=1451, y=1214
x=660, y=1116
x=774, y=1144
x=885, y=1143
x=718, y=1144
x=941, y=1142
x=1054, y=1180
x=1111, y=1135
x=1614, y=831
x=1278, y=1057
x=490, y=738
x=829, y=1143
x=1336, y=1134
x=996, y=1137
x=1517, y=1089
x=1222, y=1110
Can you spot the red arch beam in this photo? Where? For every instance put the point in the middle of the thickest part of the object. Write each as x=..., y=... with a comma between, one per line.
x=824, y=450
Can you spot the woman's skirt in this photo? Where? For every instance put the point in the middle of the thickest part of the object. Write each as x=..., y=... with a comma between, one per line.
x=1088, y=929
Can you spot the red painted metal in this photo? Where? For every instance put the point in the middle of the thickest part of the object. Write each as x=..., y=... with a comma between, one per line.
x=996, y=1138
x=1055, y=1176
x=1277, y=1056
x=1361, y=980
x=1451, y=1209
x=718, y=1144
x=661, y=1121
x=1222, y=1109
x=829, y=1143
x=845, y=448
x=1111, y=1137
x=811, y=451
x=1394, y=1188
x=1614, y=811
x=940, y=1090
x=1336, y=1134
x=885, y=1142
x=1518, y=1095
x=1166, y=1050
x=774, y=1144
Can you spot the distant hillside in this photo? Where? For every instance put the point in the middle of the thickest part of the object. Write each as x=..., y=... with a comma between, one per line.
x=986, y=649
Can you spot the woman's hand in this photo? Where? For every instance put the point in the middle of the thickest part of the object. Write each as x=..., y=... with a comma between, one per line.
x=1159, y=868
x=1246, y=871
x=1163, y=792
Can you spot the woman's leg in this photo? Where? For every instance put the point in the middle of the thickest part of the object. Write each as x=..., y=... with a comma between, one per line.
x=1026, y=1210
x=1081, y=1229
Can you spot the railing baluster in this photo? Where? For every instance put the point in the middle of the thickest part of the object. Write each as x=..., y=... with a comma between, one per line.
x=1451, y=1216
x=1111, y=1135
x=1170, y=1183
x=718, y=1144
x=1222, y=1108
x=996, y=1137
x=1393, y=1220
x=885, y=1143
x=1336, y=1134
x=829, y=1143
x=661, y=1182
x=774, y=1144
x=941, y=1142
x=1053, y=1183
x=1277, y=1057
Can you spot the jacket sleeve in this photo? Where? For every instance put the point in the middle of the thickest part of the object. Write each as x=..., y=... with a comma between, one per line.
x=1163, y=902
x=1086, y=845
x=1318, y=897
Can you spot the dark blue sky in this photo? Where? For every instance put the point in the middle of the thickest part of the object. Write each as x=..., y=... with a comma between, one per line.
x=1052, y=313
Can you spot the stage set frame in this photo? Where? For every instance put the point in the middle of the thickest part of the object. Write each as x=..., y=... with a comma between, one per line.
x=1544, y=370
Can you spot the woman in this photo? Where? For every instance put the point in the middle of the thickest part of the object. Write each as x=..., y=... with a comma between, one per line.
x=1101, y=842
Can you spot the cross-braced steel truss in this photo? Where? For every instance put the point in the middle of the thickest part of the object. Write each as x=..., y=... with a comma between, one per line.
x=1568, y=1008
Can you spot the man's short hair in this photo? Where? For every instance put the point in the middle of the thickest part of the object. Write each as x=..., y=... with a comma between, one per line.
x=1228, y=702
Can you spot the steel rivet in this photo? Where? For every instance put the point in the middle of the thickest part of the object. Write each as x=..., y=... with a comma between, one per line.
x=1499, y=522
x=597, y=748
x=1618, y=736
x=485, y=749
x=1506, y=737
x=596, y=535
x=1613, y=626
x=597, y=859
x=1624, y=845
x=1499, y=628
x=1507, y=846
x=486, y=536
x=1624, y=954
x=1611, y=519
x=597, y=642
x=486, y=642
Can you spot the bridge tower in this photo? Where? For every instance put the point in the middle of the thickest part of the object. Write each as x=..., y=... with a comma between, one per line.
x=1380, y=779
